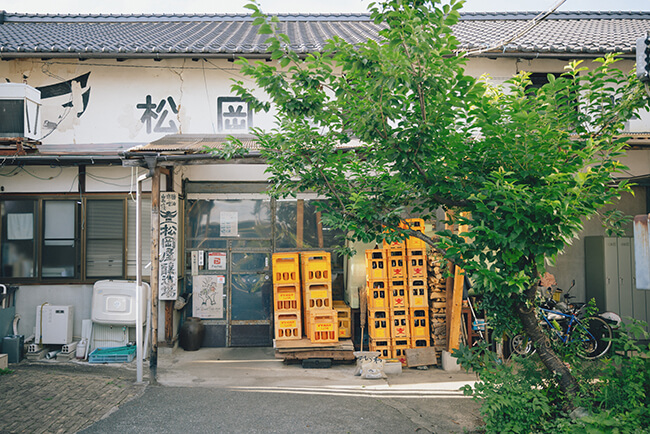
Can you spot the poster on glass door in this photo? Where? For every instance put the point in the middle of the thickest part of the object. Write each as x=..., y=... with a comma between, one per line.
x=207, y=295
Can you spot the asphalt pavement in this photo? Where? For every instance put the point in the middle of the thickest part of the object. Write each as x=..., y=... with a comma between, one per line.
x=229, y=390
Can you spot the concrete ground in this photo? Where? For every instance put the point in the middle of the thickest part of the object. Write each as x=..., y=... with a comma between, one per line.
x=70, y=396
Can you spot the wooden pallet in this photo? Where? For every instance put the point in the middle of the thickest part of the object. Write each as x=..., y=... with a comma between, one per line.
x=297, y=350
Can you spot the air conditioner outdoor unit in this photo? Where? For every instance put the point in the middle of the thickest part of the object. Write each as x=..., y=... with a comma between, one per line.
x=20, y=106
x=54, y=324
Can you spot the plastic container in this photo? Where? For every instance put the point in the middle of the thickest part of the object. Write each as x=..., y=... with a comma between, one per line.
x=286, y=268
x=417, y=263
x=398, y=294
x=112, y=355
x=399, y=320
x=323, y=326
x=383, y=346
x=286, y=297
x=420, y=328
x=288, y=326
x=14, y=347
x=378, y=324
x=376, y=267
x=378, y=295
x=316, y=267
x=418, y=294
x=396, y=264
x=344, y=314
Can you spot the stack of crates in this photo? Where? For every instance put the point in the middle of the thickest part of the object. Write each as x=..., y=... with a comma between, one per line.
x=398, y=301
x=417, y=286
x=321, y=320
x=379, y=299
x=286, y=296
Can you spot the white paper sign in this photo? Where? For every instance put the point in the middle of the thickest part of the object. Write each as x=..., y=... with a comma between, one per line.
x=216, y=261
x=207, y=298
x=168, y=268
x=228, y=224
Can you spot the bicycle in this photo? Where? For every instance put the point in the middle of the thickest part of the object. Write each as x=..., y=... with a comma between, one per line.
x=593, y=333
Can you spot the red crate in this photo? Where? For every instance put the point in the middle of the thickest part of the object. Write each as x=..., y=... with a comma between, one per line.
x=398, y=294
x=376, y=268
x=420, y=327
x=286, y=268
x=397, y=265
x=383, y=346
x=378, y=324
x=399, y=324
x=418, y=293
x=288, y=326
x=316, y=267
x=417, y=263
x=286, y=297
x=399, y=347
x=377, y=294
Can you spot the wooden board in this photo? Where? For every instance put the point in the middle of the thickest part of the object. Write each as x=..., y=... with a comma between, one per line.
x=294, y=350
x=420, y=357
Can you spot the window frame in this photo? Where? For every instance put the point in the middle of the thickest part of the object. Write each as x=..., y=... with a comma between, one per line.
x=81, y=235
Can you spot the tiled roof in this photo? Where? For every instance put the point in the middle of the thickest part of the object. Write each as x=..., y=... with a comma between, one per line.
x=214, y=35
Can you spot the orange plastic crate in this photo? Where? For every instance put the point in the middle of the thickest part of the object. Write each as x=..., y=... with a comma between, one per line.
x=378, y=324
x=317, y=295
x=399, y=347
x=398, y=294
x=286, y=297
x=383, y=346
x=397, y=264
x=323, y=326
x=376, y=268
x=344, y=314
x=286, y=268
x=316, y=267
x=288, y=325
x=377, y=294
x=418, y=294
x=420, y=328
x=399, y=323
x=417, y=263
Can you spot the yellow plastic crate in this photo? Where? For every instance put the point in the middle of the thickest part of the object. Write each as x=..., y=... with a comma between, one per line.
x=317, y=295
x=420, y=327
x=288, y=325
x=286, y=268
x=344, y=314
x=378, y=294
x=399, y=347
x=399, y=324
x=397, y=264
x=418, y=293
x=416, y=225
x=417, y=263
x=286, y=297
x=376, y=266
x=378, y=324
x=316, y=267
x=398, y=294
x=383, y=346
x=323, y=326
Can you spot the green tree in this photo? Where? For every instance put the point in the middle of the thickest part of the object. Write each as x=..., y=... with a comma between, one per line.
x=395, y=127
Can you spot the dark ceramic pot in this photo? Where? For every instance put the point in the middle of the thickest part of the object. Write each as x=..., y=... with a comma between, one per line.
x=191, y=335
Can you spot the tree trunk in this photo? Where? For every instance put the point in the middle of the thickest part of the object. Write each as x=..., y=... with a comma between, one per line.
x=530, y=322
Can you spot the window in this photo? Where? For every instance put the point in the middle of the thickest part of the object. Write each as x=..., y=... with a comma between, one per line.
x=105, y=238
x=18, y=234
x=57, y=239
x=60, y=239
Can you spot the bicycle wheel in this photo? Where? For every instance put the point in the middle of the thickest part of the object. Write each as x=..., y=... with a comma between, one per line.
x=597, y=337
x=520, y=344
